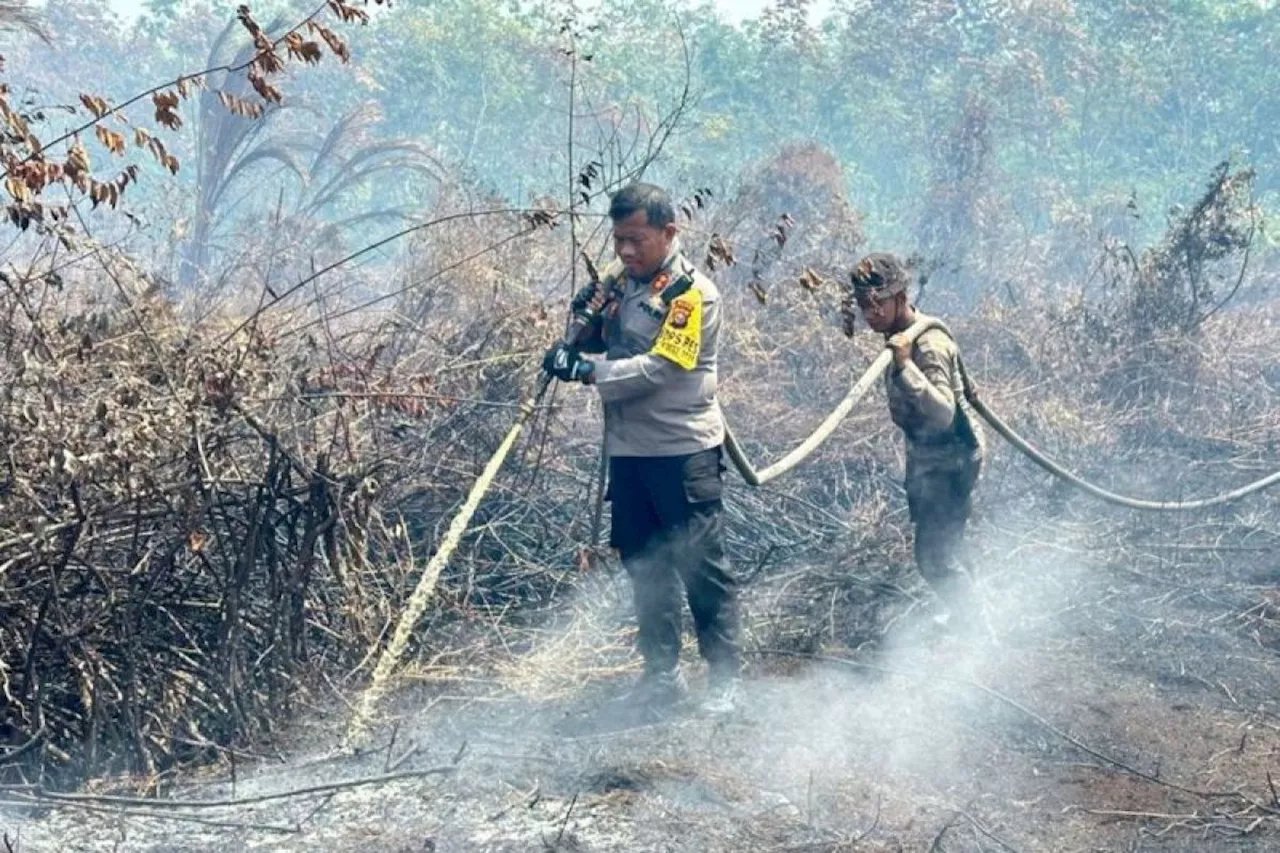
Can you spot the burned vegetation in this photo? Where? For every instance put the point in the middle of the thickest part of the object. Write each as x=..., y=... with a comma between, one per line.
x=221, y=486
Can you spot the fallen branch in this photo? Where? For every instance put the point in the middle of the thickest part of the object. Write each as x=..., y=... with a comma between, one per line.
x=280, y=829
x=39, y=795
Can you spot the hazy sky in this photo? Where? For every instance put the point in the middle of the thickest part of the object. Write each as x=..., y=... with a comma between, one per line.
x=734, y=10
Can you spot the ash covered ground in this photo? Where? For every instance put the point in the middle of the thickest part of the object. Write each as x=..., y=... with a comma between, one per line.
x=1104, y=704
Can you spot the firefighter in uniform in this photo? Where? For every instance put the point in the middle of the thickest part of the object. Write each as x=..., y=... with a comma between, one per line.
x=658, y=328
x=944, y=441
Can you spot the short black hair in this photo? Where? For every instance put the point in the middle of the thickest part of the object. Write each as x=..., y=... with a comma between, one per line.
x=653, y=200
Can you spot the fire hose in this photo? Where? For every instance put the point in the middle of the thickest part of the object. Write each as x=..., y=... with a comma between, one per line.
x=874, y=373
x=358, y=729
x=416, y=606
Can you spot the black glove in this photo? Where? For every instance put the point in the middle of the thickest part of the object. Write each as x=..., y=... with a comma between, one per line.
x=566, y=364
x=583, y=298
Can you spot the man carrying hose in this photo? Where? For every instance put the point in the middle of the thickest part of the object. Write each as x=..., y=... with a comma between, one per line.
x=944, y=441
x=658, y=327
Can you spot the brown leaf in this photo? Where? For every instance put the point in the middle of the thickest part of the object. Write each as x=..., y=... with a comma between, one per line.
x=95, y=105
x=165, y=100
x=246, y=19
x=239, y=106
x=336, y=44
x=18, y=189
x=267, y=61
x=166, y=104
x=810, y=280
x=77, y=161
x=300, y=48
x=311, y=52
x=112, y=141
x=263, y=88
x=348, y=13
x=718, y=250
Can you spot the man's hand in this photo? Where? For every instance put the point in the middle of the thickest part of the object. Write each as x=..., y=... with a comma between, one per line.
x=567, y=364
x=587, y=296
x=901, y=347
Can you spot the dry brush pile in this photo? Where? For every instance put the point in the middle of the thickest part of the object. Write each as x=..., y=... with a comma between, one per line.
x=198, y=515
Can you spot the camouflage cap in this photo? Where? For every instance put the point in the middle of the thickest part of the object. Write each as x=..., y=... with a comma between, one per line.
x=879, y=276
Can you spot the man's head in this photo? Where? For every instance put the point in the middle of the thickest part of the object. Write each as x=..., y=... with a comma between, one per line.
x=880, y=284
x=644, y=226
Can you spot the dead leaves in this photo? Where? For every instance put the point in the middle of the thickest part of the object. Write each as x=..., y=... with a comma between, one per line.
x=95, y=105
x=77, y=166
x=536, y=219
x=240, y=107
x=589, y=174
x=28, y=170
x=104, y=194
x=782, y=229
x=301, y=49
x=111, y=191
x=698, y=201
x=810, y=280
x=187, y=85
x=112, y=141
x=19, y=191
x=145, y=140
x=718, y=252
x=350, y=13
x=166, y=104
x=265, y=90
x=336, y=44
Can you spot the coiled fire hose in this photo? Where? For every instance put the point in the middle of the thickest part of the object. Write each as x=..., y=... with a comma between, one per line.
x=357, y=730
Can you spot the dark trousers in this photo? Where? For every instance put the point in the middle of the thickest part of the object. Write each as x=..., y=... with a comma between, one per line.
x=940, y=502
x=668, y=525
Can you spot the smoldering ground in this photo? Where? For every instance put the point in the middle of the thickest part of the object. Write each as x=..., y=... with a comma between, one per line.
x=1084, y=717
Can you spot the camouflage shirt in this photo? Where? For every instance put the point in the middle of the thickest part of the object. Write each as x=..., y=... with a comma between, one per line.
x=926, y=400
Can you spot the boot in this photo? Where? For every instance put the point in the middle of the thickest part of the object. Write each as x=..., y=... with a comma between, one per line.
x=723, y=691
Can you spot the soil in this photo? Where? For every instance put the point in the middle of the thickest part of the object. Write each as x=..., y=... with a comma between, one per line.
x=1097, y=705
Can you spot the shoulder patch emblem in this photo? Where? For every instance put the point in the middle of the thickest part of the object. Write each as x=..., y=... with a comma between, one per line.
x=680, y=339
x=681, y=310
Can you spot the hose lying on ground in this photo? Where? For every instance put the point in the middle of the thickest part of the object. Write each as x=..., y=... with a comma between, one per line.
x=358, y=729
x=876, y=371
x=1029, y=450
